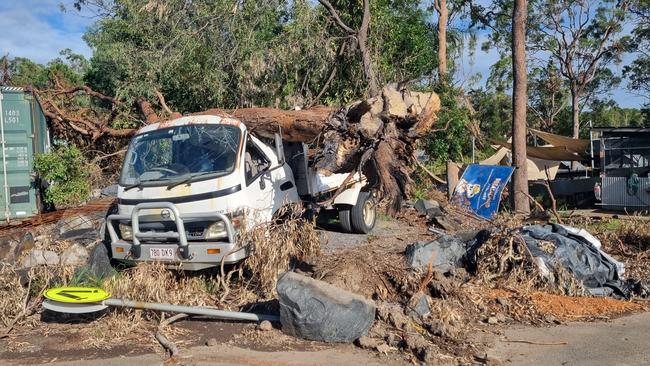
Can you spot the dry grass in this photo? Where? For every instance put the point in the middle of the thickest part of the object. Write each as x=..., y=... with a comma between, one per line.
x=12, y=295
x=273, y=246
x=18, y=302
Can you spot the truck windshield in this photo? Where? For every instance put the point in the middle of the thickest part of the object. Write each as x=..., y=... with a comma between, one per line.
x=179, y=153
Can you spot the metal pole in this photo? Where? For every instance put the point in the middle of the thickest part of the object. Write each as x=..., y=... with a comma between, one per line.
x=4, y=160
x=591, y=145
x=194, y=310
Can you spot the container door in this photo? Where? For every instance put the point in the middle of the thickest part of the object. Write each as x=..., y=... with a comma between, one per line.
x=18, y=156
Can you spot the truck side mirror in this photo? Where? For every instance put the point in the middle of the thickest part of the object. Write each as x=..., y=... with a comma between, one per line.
x=279, y=148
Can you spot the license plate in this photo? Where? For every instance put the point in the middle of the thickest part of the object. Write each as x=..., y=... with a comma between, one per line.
x=161, y=253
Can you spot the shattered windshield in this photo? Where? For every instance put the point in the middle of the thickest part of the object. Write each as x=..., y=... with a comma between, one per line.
x=181, y=153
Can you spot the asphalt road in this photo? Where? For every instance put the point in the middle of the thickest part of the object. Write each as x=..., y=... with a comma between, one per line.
x=621, y=342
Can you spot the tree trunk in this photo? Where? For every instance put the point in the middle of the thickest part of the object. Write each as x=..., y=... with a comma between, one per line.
x=362, y=38
x=296, y=126
x=575, y=109
x=443, y=16
x=519, y=103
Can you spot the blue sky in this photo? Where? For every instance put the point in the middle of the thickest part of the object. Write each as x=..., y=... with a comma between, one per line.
x=39, y=30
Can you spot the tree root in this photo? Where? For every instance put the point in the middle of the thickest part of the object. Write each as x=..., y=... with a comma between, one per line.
x=168, y=345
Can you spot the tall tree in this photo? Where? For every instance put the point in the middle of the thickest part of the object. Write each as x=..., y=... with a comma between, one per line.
x=584, y=37
x=638, y=72
x=361, y=35
x=548, y=95
x=443, y=17
x=519, y=104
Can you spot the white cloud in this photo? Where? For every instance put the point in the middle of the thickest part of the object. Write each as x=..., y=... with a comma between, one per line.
x=39, y=30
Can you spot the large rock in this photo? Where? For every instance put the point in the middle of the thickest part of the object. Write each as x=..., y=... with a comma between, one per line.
x=75, y=255
x=424, y=207
x=38, y=257
x=445, y=253
x=77, y=227
x=99, y=263
x=25, y=245
x=316, y=310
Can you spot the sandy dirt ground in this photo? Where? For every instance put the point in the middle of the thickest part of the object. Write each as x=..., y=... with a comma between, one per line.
x=623, y=341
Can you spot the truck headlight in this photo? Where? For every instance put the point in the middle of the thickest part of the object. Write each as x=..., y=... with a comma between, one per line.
x=216, y=231
x=126, y=232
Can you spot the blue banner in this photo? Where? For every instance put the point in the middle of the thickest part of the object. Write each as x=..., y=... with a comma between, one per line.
x=479, y=189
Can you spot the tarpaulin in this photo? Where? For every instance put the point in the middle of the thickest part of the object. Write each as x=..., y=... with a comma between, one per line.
x=479, y=188
x=575, y=251
x=546, y=152
x=576, y=145
x=536, y=168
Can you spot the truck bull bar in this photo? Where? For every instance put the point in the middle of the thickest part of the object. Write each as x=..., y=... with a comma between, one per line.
x=179, y=234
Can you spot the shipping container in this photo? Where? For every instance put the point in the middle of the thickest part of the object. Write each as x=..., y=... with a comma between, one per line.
x=23, y=133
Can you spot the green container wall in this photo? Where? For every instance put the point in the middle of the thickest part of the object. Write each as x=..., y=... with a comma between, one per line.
x=25, y=134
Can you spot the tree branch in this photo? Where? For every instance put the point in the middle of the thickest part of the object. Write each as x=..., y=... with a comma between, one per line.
x=336, y=17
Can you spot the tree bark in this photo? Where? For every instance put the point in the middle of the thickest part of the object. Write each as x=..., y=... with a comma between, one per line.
x=296, y=126
x=362, y=38
x=575, y=112
x=443, y=17
x=519, y=103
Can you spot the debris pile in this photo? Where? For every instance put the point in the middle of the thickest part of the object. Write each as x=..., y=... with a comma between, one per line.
x=417, y=298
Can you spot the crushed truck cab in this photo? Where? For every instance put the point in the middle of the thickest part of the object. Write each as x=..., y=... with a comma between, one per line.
x=189, y=185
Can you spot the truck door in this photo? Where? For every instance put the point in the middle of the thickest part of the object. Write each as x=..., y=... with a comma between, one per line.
x=260, y=191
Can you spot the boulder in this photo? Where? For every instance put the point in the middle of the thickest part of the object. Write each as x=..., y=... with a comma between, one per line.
x=38, y=257
x=445, y=253
x=25, y=245
x=318, y=311
x=75, y=255
x=77, y=227
x=419, y=307
x=99, y=263
x=424, y=206
x=446, y=223
x=7, y=249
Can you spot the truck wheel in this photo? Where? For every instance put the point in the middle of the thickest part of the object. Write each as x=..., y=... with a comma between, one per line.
x=361, y=217
x=344, y=218
x=364, y=214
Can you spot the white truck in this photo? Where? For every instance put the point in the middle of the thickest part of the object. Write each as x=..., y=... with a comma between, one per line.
x=188, y=185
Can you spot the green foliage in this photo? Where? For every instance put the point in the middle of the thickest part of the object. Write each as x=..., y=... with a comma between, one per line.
x=453, y=143
x=205, y=54
x=66, y=170
x=24, y=72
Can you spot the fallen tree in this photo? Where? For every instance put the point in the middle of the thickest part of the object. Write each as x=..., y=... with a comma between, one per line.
x=376, y=136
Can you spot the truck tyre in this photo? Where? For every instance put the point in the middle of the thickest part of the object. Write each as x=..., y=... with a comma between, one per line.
x=361, y=217
x=344, y=218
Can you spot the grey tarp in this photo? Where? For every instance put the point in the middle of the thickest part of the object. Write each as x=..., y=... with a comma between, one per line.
x=598, y=272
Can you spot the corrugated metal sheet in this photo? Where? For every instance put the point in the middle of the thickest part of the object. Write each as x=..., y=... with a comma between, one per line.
x=615, y=194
